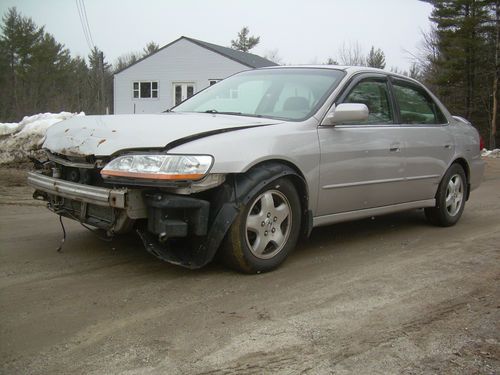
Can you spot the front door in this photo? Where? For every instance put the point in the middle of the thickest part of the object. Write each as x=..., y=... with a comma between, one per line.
x=182, y=91
x=361, y=163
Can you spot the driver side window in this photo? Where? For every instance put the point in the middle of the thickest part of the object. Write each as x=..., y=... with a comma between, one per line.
x=375, y=95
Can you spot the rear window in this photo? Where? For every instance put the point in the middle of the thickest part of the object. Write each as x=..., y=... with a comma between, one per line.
x=416, y=106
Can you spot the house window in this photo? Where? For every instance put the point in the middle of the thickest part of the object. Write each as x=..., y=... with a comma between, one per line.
x=145, y=90
x=182, y=91
x=213, y=81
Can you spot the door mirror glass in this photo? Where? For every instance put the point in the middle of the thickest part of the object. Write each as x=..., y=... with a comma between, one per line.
x=346, y=112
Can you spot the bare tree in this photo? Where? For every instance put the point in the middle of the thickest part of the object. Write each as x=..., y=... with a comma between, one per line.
x=273, y=55
x=415, y=71
x=351, y=54
x=395, y=69
x=331, y=61
x=150, y=48
x=125, y=61
x=423, y=61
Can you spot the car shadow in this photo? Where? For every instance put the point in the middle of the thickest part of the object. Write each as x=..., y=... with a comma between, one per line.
x=337, y=238
x=346, y=234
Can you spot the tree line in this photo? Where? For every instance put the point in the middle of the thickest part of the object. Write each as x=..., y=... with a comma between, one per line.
x=38, y=74
x=459, y=61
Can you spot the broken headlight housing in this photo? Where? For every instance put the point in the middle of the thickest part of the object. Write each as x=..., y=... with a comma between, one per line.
x=159, y=167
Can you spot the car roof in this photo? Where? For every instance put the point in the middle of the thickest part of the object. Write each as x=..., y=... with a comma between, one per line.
x=350, y=69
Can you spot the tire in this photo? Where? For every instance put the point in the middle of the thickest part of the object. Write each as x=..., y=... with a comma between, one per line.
x=265, y=231
x=450, y=198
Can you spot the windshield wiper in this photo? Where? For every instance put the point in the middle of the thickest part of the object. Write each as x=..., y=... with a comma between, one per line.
x=242, y=114
x=222, y=113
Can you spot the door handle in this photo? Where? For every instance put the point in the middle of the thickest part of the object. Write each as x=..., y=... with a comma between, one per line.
x=395, y=147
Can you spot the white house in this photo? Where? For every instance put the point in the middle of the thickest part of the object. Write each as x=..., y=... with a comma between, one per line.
x=175, y=72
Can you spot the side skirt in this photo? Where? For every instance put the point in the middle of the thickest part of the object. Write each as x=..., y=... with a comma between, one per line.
x=361, y=214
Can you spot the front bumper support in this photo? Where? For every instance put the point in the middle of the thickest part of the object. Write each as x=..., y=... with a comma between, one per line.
x=78, y=192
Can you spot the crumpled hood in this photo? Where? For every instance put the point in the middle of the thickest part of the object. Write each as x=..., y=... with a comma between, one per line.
x=105, y=135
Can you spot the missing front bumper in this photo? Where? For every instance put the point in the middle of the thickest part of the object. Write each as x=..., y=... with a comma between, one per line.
x=78, y=192
x=107, y=209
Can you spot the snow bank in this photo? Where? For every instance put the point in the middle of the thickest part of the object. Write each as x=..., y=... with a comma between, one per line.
x=7, y=128
x=491, y=154
x=19, y=140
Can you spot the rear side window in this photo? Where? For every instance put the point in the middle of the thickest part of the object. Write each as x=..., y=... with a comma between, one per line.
x=416, y=106
x=375, y=95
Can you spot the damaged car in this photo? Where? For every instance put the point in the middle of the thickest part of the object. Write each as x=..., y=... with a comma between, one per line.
x=249, y=165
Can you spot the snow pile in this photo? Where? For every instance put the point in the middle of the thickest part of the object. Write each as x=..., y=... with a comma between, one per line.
x=7, y=128
x=491, y=154
x=19, y=140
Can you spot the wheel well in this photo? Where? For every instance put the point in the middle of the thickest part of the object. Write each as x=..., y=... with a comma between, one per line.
x=300, y=184
x=463, y=163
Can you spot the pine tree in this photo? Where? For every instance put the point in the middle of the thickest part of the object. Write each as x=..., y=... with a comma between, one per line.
x=78, y=81
x=48, y=76
x=244, y=42
x=462, y=70
x=376, y=58
x=37, y=74
x=19, y=37
x=100, y=82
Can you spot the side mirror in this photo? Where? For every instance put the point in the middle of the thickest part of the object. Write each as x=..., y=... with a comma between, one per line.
x=345, y=112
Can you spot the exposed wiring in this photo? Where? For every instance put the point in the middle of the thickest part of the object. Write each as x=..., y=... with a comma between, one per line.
x=94, y=231
x=59, y=249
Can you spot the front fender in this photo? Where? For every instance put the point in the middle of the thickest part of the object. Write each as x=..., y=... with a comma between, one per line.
x=228, y=202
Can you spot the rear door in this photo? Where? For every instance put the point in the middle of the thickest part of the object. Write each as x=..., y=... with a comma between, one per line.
x=361, y=164
x=427, y=143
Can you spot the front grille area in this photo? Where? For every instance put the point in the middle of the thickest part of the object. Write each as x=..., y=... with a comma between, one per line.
x=80, y=175
x=81, y=170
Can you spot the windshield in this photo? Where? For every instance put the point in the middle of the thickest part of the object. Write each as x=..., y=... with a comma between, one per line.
x=290, y=94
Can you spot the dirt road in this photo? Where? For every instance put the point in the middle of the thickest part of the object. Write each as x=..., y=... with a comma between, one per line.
x=389, y=295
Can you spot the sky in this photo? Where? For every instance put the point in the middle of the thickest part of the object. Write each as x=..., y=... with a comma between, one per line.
x=302, y=31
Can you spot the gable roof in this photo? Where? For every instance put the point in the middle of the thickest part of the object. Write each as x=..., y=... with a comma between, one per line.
x=248, y=59
x=245, y=58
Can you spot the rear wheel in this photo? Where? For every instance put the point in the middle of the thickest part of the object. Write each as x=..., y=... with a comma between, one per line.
x=266, y=229
x=450, y=198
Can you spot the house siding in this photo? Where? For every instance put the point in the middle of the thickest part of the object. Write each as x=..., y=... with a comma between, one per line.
x=182, y=61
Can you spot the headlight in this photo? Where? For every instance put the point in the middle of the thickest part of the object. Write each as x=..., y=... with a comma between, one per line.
x=159, y=167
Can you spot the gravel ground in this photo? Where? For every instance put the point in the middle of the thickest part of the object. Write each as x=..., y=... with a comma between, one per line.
x=392, y=295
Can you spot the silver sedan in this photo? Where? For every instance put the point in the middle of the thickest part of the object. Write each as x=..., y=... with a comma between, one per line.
x=247, y=166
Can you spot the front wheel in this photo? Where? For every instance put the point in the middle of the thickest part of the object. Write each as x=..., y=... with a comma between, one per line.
x=450, y=198
x=266, y=229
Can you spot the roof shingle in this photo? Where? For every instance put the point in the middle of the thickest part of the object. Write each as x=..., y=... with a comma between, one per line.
x=245, y=58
